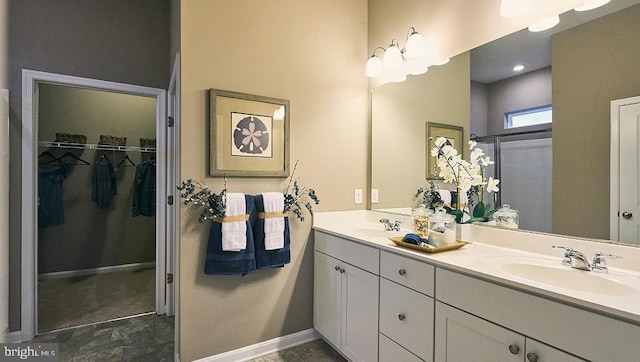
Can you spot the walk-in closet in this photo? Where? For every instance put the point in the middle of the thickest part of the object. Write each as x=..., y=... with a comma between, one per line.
x=96, y=242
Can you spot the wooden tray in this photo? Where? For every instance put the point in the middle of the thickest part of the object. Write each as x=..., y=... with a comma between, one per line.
x=398, y=241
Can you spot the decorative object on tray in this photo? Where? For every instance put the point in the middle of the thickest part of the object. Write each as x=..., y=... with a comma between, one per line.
x=467, y=176
x=420, y=217
x=506, y=217
x=112, y=140
x=398, y=240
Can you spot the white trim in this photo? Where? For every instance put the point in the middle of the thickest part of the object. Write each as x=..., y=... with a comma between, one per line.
x=614, y=166
x=95, y=271
x=29, y=233
x=266, y=347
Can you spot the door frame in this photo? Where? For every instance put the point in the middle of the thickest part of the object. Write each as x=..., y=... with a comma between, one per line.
x=614, y=166
x=29, y=229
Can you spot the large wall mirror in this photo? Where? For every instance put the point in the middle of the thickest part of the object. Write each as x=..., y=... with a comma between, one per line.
x=577, y=68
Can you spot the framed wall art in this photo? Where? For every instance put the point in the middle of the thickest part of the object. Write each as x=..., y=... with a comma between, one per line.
x=453, y=134
x=249, y=135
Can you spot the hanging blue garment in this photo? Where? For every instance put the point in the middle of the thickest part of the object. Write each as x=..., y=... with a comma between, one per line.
x=269, y=258
x=50, y=207
x=144, y=189
x=104, y=183
x=219, y=262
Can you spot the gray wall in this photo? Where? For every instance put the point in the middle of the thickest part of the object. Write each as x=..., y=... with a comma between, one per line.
x=91, y=236
x=593, y=64
x=117, y=40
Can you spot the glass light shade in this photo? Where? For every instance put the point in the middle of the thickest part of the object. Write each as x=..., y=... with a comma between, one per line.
x=417, y=66
x=415, y=47
x=392, y=58
x=545, y=24
x=374, y=67
x=591, y=4
x=442, y=62
x=513, y=8
x=396, y=76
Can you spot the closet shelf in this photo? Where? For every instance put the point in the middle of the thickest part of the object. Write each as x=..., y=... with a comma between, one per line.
x=95, y=146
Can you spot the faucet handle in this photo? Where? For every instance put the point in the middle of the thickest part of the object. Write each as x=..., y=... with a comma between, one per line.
x=599, y=261
x=396, y=225
x=567, y=253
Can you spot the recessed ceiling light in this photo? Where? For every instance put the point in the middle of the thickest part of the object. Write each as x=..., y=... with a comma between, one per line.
x=518, y=68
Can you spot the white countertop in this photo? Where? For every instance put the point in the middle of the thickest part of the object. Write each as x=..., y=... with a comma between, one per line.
x=489, y=247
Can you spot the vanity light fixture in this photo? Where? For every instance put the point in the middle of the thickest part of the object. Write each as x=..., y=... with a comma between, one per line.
x=513, y=8
x=591, y=4
x=396, y=62
x=545, y=24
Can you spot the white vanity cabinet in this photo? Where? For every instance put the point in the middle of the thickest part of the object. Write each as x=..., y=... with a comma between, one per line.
x=406, y=308
x=492, y=317
x=462, y=337
x=345, y=303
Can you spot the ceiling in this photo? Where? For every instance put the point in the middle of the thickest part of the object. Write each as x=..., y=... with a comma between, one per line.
x=495, y=61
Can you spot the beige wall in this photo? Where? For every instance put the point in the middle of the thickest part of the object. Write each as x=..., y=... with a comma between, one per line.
x=312, y=53
x=398, y=132
x=593, y=64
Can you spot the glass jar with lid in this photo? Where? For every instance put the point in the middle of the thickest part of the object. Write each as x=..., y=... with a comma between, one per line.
x=506, y=217
x=420, y=217
x=442, y=228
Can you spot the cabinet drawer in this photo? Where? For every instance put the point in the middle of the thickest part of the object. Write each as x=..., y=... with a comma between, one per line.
x=408, y=272
x=362, y=256
x=390, y=351
x=406, y=317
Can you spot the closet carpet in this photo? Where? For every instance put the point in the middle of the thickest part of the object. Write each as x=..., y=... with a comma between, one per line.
x=75, y=301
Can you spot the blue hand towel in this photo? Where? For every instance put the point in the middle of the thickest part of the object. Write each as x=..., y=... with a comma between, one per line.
x=220, y=262
x=269, y=258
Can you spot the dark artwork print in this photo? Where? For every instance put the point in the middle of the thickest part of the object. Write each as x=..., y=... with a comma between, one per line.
x=251, y=136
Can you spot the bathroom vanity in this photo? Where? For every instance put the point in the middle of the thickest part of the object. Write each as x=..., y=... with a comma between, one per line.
x=506, y=296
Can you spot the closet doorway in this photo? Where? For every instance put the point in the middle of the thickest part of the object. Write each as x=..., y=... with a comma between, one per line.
x=105, y=245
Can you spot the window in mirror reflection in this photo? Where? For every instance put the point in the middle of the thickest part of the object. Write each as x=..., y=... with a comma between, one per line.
x=528, y=117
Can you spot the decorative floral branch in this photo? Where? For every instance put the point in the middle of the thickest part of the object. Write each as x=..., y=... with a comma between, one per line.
x=293, y=196
x=198, y=193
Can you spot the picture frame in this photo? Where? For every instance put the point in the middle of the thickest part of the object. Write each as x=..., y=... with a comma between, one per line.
x=249, y=135
x=455, y=136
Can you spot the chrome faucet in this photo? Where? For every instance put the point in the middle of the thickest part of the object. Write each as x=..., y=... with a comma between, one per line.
x=578, y=260
x=395, y=226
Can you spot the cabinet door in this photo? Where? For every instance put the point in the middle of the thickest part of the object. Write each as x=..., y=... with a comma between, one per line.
x=390, y=351
x=360, y=314
x=327, y=297
x=540, y=352
x=462, y=337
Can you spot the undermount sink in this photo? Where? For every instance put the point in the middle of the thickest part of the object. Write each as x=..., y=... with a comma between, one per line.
x=562, y=276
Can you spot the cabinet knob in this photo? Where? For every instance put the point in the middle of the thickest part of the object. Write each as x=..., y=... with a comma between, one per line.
x=401, y=317
x=532, y=357
x=402, y=272
x=514, y=349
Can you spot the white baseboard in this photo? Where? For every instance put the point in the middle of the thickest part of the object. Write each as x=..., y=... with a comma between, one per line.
x=266, y=347
x=93, y=271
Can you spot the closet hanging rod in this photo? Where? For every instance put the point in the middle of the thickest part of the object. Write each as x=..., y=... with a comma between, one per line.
x=89, y=146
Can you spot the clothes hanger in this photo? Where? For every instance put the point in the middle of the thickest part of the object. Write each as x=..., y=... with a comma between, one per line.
x=50, y=155
x=125, y=159
x=69, y=154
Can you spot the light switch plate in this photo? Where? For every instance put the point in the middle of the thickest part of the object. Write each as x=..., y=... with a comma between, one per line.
x=374, y=196
x=357, y=196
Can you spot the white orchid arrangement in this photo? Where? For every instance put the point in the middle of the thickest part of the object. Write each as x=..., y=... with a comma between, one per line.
x=467, y=176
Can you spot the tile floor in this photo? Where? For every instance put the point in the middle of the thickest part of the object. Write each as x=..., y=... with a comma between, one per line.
x=95, y=298
x=143, y=338
x=316, y=351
